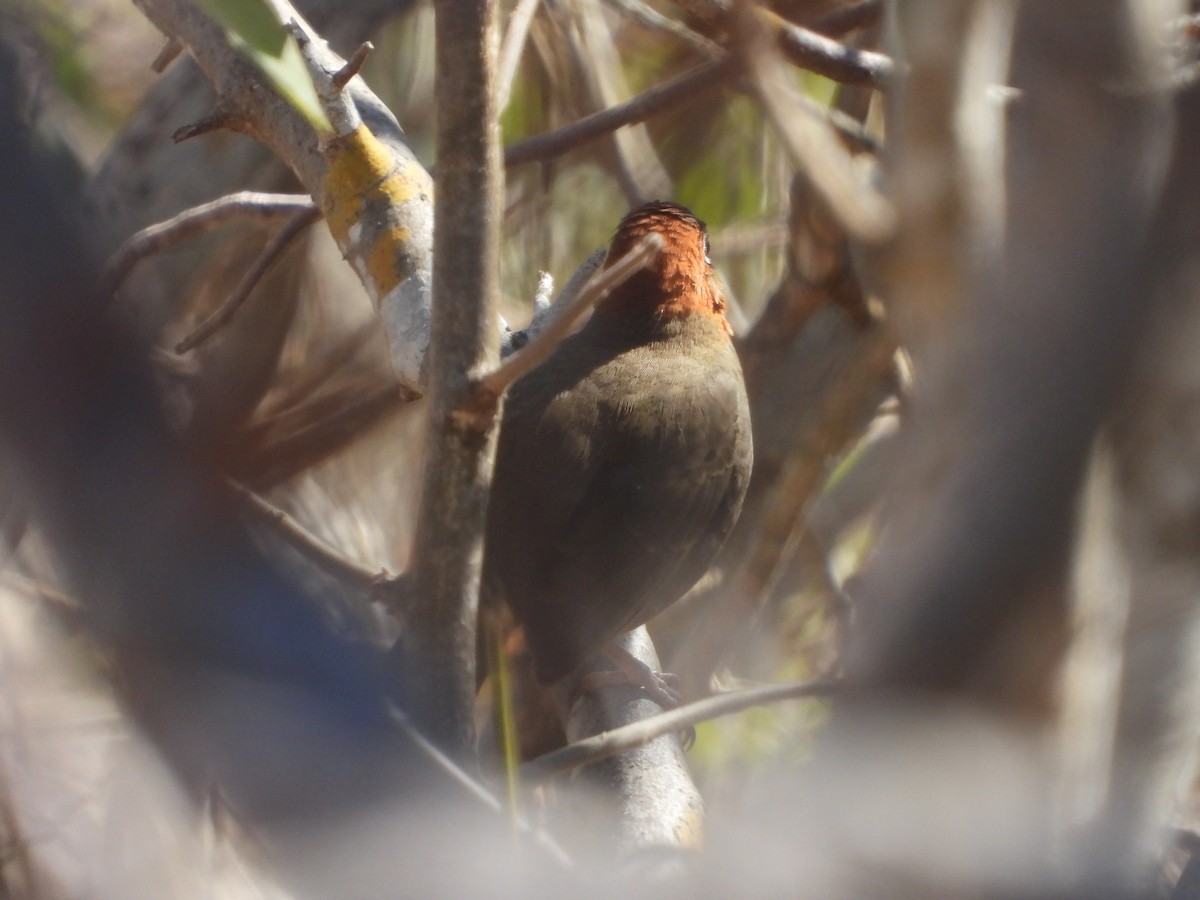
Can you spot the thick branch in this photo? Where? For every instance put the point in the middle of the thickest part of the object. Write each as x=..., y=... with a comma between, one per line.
x=810, y=139
x=439, y=640
x=359, y=175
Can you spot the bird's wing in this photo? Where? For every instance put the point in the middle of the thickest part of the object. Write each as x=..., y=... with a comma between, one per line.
x=660, y=503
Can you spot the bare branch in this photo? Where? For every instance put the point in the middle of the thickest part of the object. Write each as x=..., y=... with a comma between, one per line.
x=637, y=734
x=691, y=85
x=656, y=803
x=851, y=17
x=808, y=49
x=577, y=282
x=642, y=12
x=233, y=304
x=811, y=141
x=355, y=168
x=171, y=49
x=592, y=44
x=327, y=69
x=342, y=76
x=198, y=219
x=439, y=641
x=324, y=556
x=828, y=57
x=519, y=21
x=544, y=312
x=536, y=351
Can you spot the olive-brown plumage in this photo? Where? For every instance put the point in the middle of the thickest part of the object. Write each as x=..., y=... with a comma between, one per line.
x=623, y=459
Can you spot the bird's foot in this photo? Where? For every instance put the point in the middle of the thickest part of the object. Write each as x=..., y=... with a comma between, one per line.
x=661, y=687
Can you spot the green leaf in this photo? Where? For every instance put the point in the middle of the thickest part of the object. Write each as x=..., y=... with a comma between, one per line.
x=254, y=28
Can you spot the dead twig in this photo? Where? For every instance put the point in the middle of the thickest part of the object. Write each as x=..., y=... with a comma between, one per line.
x=637, y=734
x=546, y=308
x=219, y=119
x=324, y=556
x=825, y=56
x=519, y=21
x=171, y=49
x=228, y=310
x=810, y=139
x=691, y=85
x=342, y=76
x=851, y=17
x=251, y=205
x=536, y=351
x=648, y=16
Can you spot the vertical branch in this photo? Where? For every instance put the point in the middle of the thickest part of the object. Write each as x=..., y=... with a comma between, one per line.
x=439, y=640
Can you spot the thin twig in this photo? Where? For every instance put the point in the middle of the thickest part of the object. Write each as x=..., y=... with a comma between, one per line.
x=237, y=299
x=171, y=49
x=637, y=734
x=437, y=648
x=158, y=237
x=519, y=21
x=326, y=68
x=650, y=17
x=691, y=85
x=847, y=126
x=342, y=76
x=851, y=17
x=536, y=351
x=219, y=119
x=825, y=56
x=323, y=555
x=546, y=309
x=809, y=138
x=577, y=282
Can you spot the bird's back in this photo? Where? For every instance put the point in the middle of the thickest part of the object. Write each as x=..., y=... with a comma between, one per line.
x=621, y=468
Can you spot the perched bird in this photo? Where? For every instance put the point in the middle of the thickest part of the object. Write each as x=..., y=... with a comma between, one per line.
x=623, y=459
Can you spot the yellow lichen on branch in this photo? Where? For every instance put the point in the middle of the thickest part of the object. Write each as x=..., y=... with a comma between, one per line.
x=364, y=189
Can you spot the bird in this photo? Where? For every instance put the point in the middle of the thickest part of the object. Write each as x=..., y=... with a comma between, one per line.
x=622, y=460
